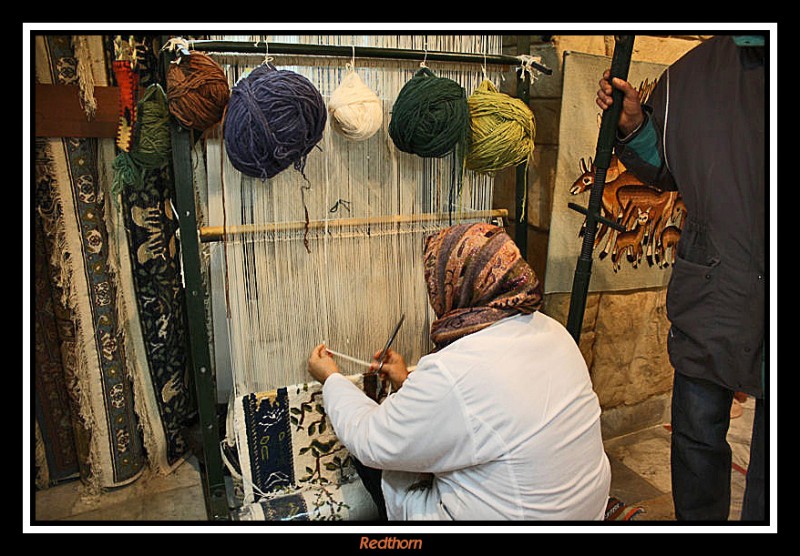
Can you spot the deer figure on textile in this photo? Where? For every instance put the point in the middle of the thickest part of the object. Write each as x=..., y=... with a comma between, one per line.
x=666, y=245
x=660, y=205
x=678, y=212
x=630, y=242
x=617, y=176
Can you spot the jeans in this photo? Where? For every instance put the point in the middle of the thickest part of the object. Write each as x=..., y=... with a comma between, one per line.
x=701, y=456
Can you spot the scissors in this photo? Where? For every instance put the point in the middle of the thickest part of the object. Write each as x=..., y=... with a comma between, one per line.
x=385, y=349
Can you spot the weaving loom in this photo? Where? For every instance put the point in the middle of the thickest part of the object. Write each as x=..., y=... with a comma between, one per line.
x=331, y=253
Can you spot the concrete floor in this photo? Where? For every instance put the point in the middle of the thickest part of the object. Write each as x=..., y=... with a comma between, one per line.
x=639, y=464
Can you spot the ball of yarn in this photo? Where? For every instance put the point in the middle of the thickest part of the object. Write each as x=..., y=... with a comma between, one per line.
x=430, y=115
x=151, y=145
x=197, y=91
x=152, y=137
x=356, y=111
x=273, y=120
x=502, y=130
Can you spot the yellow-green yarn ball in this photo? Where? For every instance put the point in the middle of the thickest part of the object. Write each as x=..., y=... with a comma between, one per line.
x=502, y=130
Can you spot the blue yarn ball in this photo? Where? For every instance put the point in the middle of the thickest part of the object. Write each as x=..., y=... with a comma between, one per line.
x=273, y=120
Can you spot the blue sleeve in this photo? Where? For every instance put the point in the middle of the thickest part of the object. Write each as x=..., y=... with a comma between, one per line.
x=640, y=152
x=645, y=143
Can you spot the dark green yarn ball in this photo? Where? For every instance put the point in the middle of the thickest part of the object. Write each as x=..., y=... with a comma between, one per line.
x=430, y=115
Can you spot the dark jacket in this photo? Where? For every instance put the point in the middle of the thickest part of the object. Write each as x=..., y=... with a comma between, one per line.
x=715, y=153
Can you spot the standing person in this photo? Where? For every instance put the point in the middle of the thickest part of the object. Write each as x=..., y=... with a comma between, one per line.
x=703, y=133
x=500, y=422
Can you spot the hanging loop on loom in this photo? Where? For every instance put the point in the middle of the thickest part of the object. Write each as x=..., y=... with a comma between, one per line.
x=267, y=58
x=177, y=43
x=483, y=66
x=528, y=65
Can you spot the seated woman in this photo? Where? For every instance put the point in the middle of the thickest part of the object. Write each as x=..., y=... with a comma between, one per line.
x=501, y=415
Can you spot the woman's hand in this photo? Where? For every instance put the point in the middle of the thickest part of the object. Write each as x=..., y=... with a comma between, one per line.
x=631, y=116
x=394, y=368
x=321, y=365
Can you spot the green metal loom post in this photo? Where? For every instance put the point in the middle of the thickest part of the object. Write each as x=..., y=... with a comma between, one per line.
x=213, y=477
x=520, y=213
x=620, y=63
x=211, y=472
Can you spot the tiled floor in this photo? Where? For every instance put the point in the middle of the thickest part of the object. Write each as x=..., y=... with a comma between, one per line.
x=639, y=464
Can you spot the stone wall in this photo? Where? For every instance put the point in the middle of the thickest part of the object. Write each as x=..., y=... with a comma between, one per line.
x=624, y=334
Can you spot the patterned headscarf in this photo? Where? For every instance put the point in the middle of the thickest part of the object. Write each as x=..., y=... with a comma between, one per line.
x=475, y=277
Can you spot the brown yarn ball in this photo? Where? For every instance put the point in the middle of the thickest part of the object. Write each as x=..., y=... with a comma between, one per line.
x=197, y=91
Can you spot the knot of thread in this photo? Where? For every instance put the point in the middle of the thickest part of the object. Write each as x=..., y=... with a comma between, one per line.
x=197, y=91
x=151, y=144
x=356, y=111
x=273, y=120
x=502, y=130
x=430, y=115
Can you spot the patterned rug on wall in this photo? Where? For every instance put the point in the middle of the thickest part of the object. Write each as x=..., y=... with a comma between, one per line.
x=125, y=375
x=56, y=452
x=94, y=360
x=154, y=264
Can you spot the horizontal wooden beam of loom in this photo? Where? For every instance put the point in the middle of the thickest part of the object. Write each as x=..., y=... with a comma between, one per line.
x=59, y=113
x=210, y=234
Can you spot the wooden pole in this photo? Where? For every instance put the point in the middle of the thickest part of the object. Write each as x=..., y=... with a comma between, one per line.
x=218, y=233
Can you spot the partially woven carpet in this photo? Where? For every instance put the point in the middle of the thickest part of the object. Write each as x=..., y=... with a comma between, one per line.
x=293, y=466
x=616, y=510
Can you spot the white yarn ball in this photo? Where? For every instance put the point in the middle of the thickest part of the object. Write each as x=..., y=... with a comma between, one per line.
x=356, y=111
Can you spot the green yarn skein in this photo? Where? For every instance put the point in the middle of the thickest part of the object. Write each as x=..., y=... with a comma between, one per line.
x=152, y=143
x=430, y=115
x=502, y=130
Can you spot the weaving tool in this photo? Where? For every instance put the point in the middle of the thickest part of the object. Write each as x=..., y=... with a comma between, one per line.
x=372, y=386
x=382, y=356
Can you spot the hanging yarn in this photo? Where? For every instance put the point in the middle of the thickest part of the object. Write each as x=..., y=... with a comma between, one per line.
x=502, y=130
x=430, y=115
x=197, y=91
x=356, y=111
x=151, y=143
x=273, y=120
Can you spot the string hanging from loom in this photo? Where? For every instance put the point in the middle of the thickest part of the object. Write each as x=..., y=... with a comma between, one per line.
x=197, y=89
x=502, y=130
x=151, y=143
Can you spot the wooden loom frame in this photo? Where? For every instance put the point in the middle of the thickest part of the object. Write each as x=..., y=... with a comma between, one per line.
x=212, y=470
